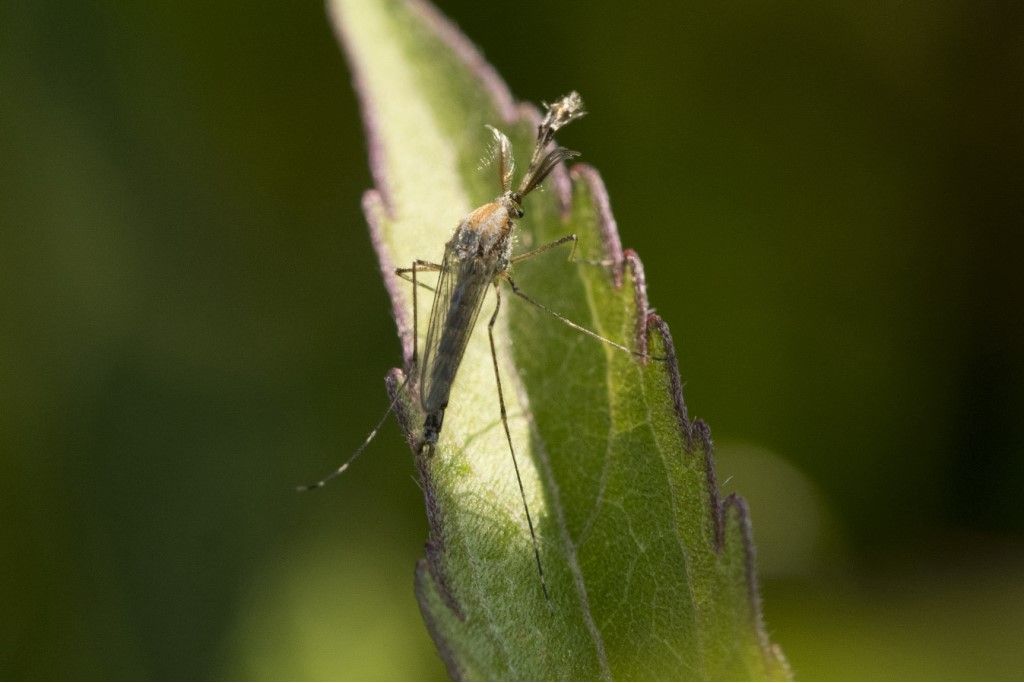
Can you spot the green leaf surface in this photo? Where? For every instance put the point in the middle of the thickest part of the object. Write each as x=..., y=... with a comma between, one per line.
x=651, y=576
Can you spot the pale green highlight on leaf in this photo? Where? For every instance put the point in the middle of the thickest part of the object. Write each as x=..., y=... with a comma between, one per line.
x=650, y=575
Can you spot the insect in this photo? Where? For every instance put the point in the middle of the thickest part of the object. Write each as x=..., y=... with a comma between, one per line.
x=478, y=256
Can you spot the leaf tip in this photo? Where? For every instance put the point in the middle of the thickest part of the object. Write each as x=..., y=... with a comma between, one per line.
x=469, y=54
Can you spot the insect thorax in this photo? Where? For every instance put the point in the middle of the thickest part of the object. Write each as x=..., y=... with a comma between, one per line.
x=486, y=233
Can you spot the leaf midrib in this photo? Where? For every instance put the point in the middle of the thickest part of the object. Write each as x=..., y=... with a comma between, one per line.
x=571, y=545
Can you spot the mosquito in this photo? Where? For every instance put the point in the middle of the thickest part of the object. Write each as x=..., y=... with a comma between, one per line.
x=478, y=256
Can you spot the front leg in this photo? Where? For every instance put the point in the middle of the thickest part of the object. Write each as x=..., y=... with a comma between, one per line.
x=418, y=265
x=557, y=243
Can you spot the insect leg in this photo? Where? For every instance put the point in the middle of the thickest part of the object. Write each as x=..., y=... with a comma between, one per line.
x=362, y=447
x=576, y=326
x=550, y=245
x=420, y=266
x=415, y=324
x=511, y=448
x=557, y=243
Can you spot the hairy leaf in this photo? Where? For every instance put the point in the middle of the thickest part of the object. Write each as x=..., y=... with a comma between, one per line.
x=650, y=574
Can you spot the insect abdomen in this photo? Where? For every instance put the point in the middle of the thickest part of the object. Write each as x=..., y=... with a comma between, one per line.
x=462, y=285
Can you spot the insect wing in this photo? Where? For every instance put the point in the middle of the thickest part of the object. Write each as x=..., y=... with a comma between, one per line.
x=438, y=313
x=457, y=301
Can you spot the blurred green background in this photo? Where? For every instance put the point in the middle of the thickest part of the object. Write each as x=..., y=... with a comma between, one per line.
x=828, y=201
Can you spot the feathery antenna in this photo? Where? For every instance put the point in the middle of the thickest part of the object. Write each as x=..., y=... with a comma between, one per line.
x=559, y=114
